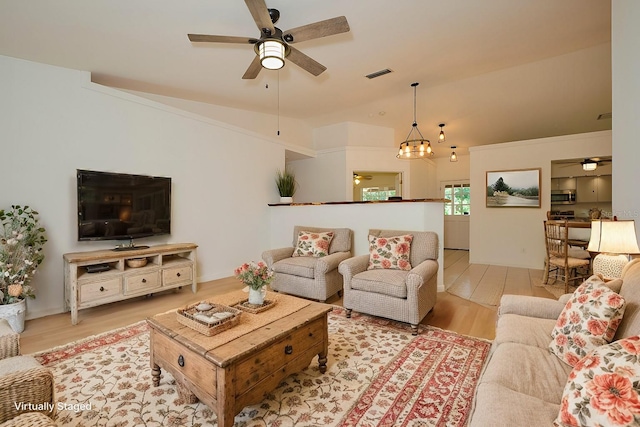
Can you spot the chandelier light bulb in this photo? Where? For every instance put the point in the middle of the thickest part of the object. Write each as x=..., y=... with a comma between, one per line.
x=454, y=156
x=441, y=137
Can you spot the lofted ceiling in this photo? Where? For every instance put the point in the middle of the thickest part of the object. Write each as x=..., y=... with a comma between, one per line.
x=491, y=70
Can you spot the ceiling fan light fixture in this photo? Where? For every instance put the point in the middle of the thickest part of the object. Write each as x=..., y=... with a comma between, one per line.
x=589, y=165
x=272, y=53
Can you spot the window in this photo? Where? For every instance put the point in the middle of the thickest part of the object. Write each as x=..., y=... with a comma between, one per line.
x=459, y=194
x=375, y=193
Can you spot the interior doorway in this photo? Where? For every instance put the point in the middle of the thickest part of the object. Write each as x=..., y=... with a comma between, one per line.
x=372, y=185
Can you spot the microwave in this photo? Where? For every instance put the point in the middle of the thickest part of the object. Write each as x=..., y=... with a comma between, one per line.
x=563, y=197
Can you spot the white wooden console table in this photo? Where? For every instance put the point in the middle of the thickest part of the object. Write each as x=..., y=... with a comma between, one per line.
x=167, y=266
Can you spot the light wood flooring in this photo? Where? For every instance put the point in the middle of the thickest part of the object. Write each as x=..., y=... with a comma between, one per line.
x=452, y=312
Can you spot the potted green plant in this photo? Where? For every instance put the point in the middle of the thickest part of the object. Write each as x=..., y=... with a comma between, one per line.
x=21, y=242
x=286, y=182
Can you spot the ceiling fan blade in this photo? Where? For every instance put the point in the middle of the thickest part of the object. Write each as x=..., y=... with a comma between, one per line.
x=254, y=69
x=316, y=30
x=304, y=62
x=221, y=39
x=260, y=14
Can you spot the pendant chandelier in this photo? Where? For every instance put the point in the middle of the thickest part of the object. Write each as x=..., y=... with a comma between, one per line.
x=415, y=146
x=453, y=157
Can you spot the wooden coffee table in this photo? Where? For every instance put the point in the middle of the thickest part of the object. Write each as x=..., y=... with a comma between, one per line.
x=243, y=370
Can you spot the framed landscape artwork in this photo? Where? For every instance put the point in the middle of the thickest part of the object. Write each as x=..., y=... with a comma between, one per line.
x=513, y=188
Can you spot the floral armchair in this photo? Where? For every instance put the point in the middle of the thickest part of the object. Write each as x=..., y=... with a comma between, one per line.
x=397, y=279
x=309, y=268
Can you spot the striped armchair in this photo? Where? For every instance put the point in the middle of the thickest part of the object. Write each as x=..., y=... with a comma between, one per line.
x=406, y=296
x=310, y=277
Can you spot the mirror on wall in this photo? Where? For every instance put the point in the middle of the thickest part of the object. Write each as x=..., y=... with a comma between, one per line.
x=375, y=185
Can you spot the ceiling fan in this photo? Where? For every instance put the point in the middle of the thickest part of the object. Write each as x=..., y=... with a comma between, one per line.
x=588, y=164
x=361, y=177
x=357, y=178
x=274, y=44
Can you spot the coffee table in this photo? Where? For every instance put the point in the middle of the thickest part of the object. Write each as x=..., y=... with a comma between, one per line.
x=240, y=372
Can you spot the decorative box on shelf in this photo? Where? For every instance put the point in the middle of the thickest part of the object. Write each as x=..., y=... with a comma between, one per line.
x=255, y=308
x=208, y=318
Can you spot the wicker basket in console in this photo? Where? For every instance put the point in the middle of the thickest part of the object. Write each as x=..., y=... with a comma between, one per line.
x=207, y=322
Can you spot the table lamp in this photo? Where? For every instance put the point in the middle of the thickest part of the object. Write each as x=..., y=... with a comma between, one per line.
x=614, y=241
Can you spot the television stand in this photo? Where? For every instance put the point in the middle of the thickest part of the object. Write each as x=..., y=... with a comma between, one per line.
x=168, y=266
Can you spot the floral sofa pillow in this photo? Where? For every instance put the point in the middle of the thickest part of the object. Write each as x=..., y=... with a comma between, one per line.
x=589, y=319
x=313, y=244
x=390, y=252
x=604, y=387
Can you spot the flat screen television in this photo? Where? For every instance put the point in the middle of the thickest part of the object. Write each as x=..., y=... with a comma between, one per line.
x=117, y=206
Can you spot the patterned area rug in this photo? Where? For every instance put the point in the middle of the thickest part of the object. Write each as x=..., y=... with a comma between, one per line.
x=378, y=374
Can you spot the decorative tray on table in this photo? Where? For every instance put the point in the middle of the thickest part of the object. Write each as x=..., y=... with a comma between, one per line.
x=254, y=308
x=208, y=318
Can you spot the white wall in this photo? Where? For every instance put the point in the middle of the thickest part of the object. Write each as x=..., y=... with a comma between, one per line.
x=54, y=121
x=294, y=134
x=625, y=41
x=352, y=134
x=320, y=179
x=342, y=150
x=513, y=236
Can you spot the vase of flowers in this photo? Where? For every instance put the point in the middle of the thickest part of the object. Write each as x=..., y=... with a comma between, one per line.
x=256, y=276
x=21, y=242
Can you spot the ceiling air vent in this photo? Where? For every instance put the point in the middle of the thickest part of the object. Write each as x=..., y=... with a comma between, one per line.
x=604, y=116
x=378, y=73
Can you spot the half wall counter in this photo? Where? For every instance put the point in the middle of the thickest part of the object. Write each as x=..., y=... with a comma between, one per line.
x=413, y=214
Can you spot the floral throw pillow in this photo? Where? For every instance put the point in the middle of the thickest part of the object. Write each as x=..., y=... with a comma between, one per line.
x=589, y=319
x=313, y=244
x=390, y=252
x=604, y=387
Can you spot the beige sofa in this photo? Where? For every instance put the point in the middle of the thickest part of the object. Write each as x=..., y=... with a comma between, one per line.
x=523, y=382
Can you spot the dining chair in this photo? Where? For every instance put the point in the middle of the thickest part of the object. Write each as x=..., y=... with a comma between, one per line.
x=569, y=264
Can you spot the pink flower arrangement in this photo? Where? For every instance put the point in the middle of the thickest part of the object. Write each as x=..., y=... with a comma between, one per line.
x=255, y=275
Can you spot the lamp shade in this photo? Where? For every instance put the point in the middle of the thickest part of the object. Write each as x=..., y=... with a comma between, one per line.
x=613, y=237
x=272, y=54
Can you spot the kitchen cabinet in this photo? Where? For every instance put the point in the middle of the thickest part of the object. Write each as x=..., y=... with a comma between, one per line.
x=593, y=189
x=563, y=183
x=605, y=185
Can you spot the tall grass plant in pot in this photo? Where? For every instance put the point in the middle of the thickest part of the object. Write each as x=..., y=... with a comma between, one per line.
x=286, y=183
